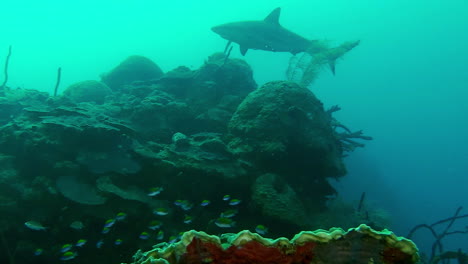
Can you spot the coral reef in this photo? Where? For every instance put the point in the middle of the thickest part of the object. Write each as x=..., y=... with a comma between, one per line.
x=357, y=245
x=194, y=135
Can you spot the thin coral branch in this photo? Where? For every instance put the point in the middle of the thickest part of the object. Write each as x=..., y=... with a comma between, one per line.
x=347, y=139
x=437, y=246
x=5, y=70
x=59, y=75
x=332, y=109
x=439, y=237
x=462, y=258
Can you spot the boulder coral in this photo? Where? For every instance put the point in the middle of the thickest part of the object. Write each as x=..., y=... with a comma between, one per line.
x=88, y=91
x=132, y=69
x=283, y=128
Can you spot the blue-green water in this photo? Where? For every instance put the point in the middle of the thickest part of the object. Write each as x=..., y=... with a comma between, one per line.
x=406, y=84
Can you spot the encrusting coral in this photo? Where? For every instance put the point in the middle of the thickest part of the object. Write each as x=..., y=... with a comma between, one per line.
x=357, y=245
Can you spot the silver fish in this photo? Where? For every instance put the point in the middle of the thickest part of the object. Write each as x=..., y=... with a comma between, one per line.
x=34, y=225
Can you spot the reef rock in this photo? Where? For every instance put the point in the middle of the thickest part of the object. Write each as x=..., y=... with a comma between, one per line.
x=277, y=200
x=134, y=68
x=282, y=128
x=88, y=91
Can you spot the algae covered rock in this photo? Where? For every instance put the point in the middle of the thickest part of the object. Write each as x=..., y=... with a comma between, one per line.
x=282, y=128
x=277, y=200
x=88, y=91
x=361, y=245
x=134, y=68
x=219, y=77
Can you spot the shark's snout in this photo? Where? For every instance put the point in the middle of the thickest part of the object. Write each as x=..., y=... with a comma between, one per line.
x=217, y=29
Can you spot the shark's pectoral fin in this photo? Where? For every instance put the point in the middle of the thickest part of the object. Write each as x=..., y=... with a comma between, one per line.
x=332, y=66
x=243, y=50
x=227, y=46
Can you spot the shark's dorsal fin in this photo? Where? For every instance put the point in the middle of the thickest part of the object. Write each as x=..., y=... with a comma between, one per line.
x=273, y=17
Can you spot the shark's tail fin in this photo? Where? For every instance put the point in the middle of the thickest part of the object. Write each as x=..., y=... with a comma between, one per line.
x=335, y=53
x=306, y=68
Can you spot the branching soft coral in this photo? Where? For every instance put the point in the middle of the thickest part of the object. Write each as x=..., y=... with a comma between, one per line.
x=346, y=137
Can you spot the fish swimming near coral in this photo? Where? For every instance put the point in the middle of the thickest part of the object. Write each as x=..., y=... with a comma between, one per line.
x=225, y=222
x=77, y=225
x=269, y=35
x=34, y=225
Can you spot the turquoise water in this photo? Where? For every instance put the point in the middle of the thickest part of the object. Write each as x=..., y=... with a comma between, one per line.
x=406, y=84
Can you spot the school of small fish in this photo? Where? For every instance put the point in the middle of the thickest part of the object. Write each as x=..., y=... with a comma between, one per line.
x=69, y=251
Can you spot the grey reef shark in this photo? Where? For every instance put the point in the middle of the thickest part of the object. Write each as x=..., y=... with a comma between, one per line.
x=269, y=35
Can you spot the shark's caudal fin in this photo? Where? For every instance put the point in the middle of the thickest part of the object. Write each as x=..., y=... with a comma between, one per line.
x=335, y=53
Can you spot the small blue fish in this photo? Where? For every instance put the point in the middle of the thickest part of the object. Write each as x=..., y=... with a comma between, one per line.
x=226, y=197
x=109, y=223
x=81, y=242
x=105, y=230
x=179, y=236
x=38, y=252
x=188, y=219
x=173, y=239
x=155, y=225
x=121, y=216
x=184, y=204
x=118, y=242
x=66, y=248
x=225, y=222
x=160, y=235
x=34, y=225
x=99, y=243
x=205, y=202
x=144, y=235
x=155, y=191
x=77, y=225
x=234, y=202
x=229, y=213
x=68, y=255
x=261, y=229
x=161, y=211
